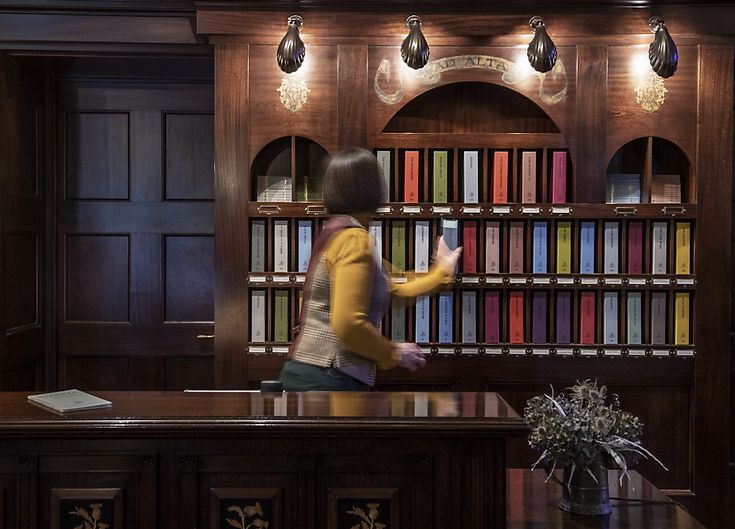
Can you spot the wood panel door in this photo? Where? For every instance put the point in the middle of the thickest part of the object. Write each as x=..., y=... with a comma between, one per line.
x=135, y=235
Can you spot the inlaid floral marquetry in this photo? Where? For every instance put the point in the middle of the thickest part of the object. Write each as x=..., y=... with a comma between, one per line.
x=89, y=514
x=363, y=509
x=245, y=508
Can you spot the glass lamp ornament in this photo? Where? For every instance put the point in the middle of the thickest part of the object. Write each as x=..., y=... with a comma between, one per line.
x=291, y=51
x=414, y=48
x=662, y=53
x=541, y=50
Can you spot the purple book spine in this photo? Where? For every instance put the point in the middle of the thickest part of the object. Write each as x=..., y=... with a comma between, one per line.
x=538, y=323
x=563, y=317
x=492, y=317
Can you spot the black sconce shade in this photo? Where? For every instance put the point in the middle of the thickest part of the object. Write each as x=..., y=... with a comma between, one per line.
x=541, y=50
x=662, y=53
x=291, y=50
x=414, y=48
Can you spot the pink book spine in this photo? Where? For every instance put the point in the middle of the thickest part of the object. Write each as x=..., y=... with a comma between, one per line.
x=500, y=177
x=587, y=318
x=559, y=178
x=635, y=248
x=528, y=177
x=492, y=247
x=516, y=247
x=492, y=317
x=469, y=252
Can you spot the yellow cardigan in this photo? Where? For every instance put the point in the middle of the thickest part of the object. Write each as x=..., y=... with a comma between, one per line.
x=349, y=256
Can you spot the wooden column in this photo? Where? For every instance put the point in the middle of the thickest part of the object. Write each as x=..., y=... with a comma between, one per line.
x=231, y=116
x=353, y=96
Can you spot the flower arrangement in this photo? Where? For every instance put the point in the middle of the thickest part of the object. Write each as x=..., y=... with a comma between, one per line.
x=577, y=430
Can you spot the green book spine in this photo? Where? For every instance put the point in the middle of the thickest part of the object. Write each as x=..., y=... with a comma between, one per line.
x=440, y=176
x=280, y=316
x=398, y=244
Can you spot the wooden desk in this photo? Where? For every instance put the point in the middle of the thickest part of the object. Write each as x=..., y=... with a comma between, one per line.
x=532, y=504
x=186, y=460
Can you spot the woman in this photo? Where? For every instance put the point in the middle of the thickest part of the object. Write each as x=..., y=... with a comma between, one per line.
x=347, y=292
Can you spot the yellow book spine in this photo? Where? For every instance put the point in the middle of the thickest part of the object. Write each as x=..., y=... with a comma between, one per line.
x=564, y=247
x=681, y=322
x=683, y=248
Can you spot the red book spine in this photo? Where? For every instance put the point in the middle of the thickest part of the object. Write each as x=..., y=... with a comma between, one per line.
x=500, y=177
x=516, y=317
x=411, y=177
x=469, y=251
x=635, y=248
x=587, y=318
x=559, y=178
x=492, y=317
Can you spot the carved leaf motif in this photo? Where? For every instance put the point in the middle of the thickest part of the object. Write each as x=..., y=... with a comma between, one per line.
x=236, y=509
x=234, y=523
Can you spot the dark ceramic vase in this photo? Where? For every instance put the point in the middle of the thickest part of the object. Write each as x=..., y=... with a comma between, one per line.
x=583, y=494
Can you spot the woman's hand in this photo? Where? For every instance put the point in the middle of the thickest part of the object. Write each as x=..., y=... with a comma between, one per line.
x=411, y=356
x=445, y=258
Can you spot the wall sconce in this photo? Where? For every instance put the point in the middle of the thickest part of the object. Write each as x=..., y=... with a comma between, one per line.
x=291, y=50
x=414, y=48
x=662, y=53
x=541, y=50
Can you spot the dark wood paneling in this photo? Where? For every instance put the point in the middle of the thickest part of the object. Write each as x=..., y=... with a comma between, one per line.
x=352, y=90
x=21, y=153
x=189, y=156
x=189, y=273
x=21, y=279
x=97, y=154
x=95, y=373
x=589, y=186
x=97, y=274
x=189, y=373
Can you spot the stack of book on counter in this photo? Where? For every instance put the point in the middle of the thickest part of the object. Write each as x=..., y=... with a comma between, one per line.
x=68, y=400
x=274, y=188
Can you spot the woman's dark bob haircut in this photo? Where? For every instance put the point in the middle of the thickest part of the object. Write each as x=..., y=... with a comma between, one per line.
x=353, y=183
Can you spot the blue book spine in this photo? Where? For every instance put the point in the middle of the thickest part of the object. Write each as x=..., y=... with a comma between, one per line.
x=540, y=247
x=587, y=248
x=450, y=231
x=423, y=318
x=304, y=249
x=446, y=321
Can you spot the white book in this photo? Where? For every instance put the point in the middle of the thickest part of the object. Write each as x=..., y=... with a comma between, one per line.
x=257, y=316
x=658, y=317
x=471, y=189
x=68, y=400
x=610, y=319
x=280, y=245
x=376, y=230
x=421, y=259
x=257, y=245
x=304, y=247
x=423, y=318
x=612, y=240
x=635, y=318
x=492, y=247
x=659, y=249
x=469, y=317
x=384, y=163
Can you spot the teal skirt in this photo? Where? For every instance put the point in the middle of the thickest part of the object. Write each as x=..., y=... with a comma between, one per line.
x=297, y=376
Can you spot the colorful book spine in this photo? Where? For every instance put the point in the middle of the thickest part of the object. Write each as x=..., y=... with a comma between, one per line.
x=587, y=318
x=450, y=232
x=446, y=319
x=471, y=174
x=257, y=316
x=563, y=317
x=469, y=247
x=539, y=306
x=559, y=177
x=587, y=247
x=376, y=230
x=280, y=245
x=398, y=321
x=564, y=247
x=634, y=322
x=635, y=248
x=683, y=248
x=384, y=161
x=422, y=247
x=411, y=177
x=515, y=240
x=500, y=177
x=441, y=179
x=257, y=245
x=611, y=256
x=492, y=316
x=681, y=319
x=528, y=177
x=469, y=317
x=659, y=247
x=515, y=317
x=398, y=244
x=540, y=247
x=658, y=317
x=610, y=317
x=423, y=319
x=492, y=247
x=280, y=316
x=304, y=247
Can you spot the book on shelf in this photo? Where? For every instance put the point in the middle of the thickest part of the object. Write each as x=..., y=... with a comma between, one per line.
x=398, y=244
x=68, y=400
x=683, y=248
x=587, y=247
x=610, y=317
x=515, y=247
x=423, y=319
x=257, y=316
x=587, y=317
x=492, y=316
x=441, y=177
x=665, y=189
x=515, y=316
x=469, y=247
x=304, y=247
x=681, y=319
x=559, y=177
x=611, y=252
x=634, y=323
x=273, y=188
x=658, y=318
x=398, y=320
x=564, y=247
x=540, y=247
x=411, y=176
x=384, y=162
x=623, y=189
x=422, y=249
x=528, y=177
x=469, y=316
x=446, y=317
x=471, y=177
x=450, y=232
x=492, y=247
x=563, y=316
x=280, y=245
x=257, y=245
x=281, y=319
x=635, y=247
x=500, y=177
x=376, y=230
x=659, y=247
x=539, y=303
